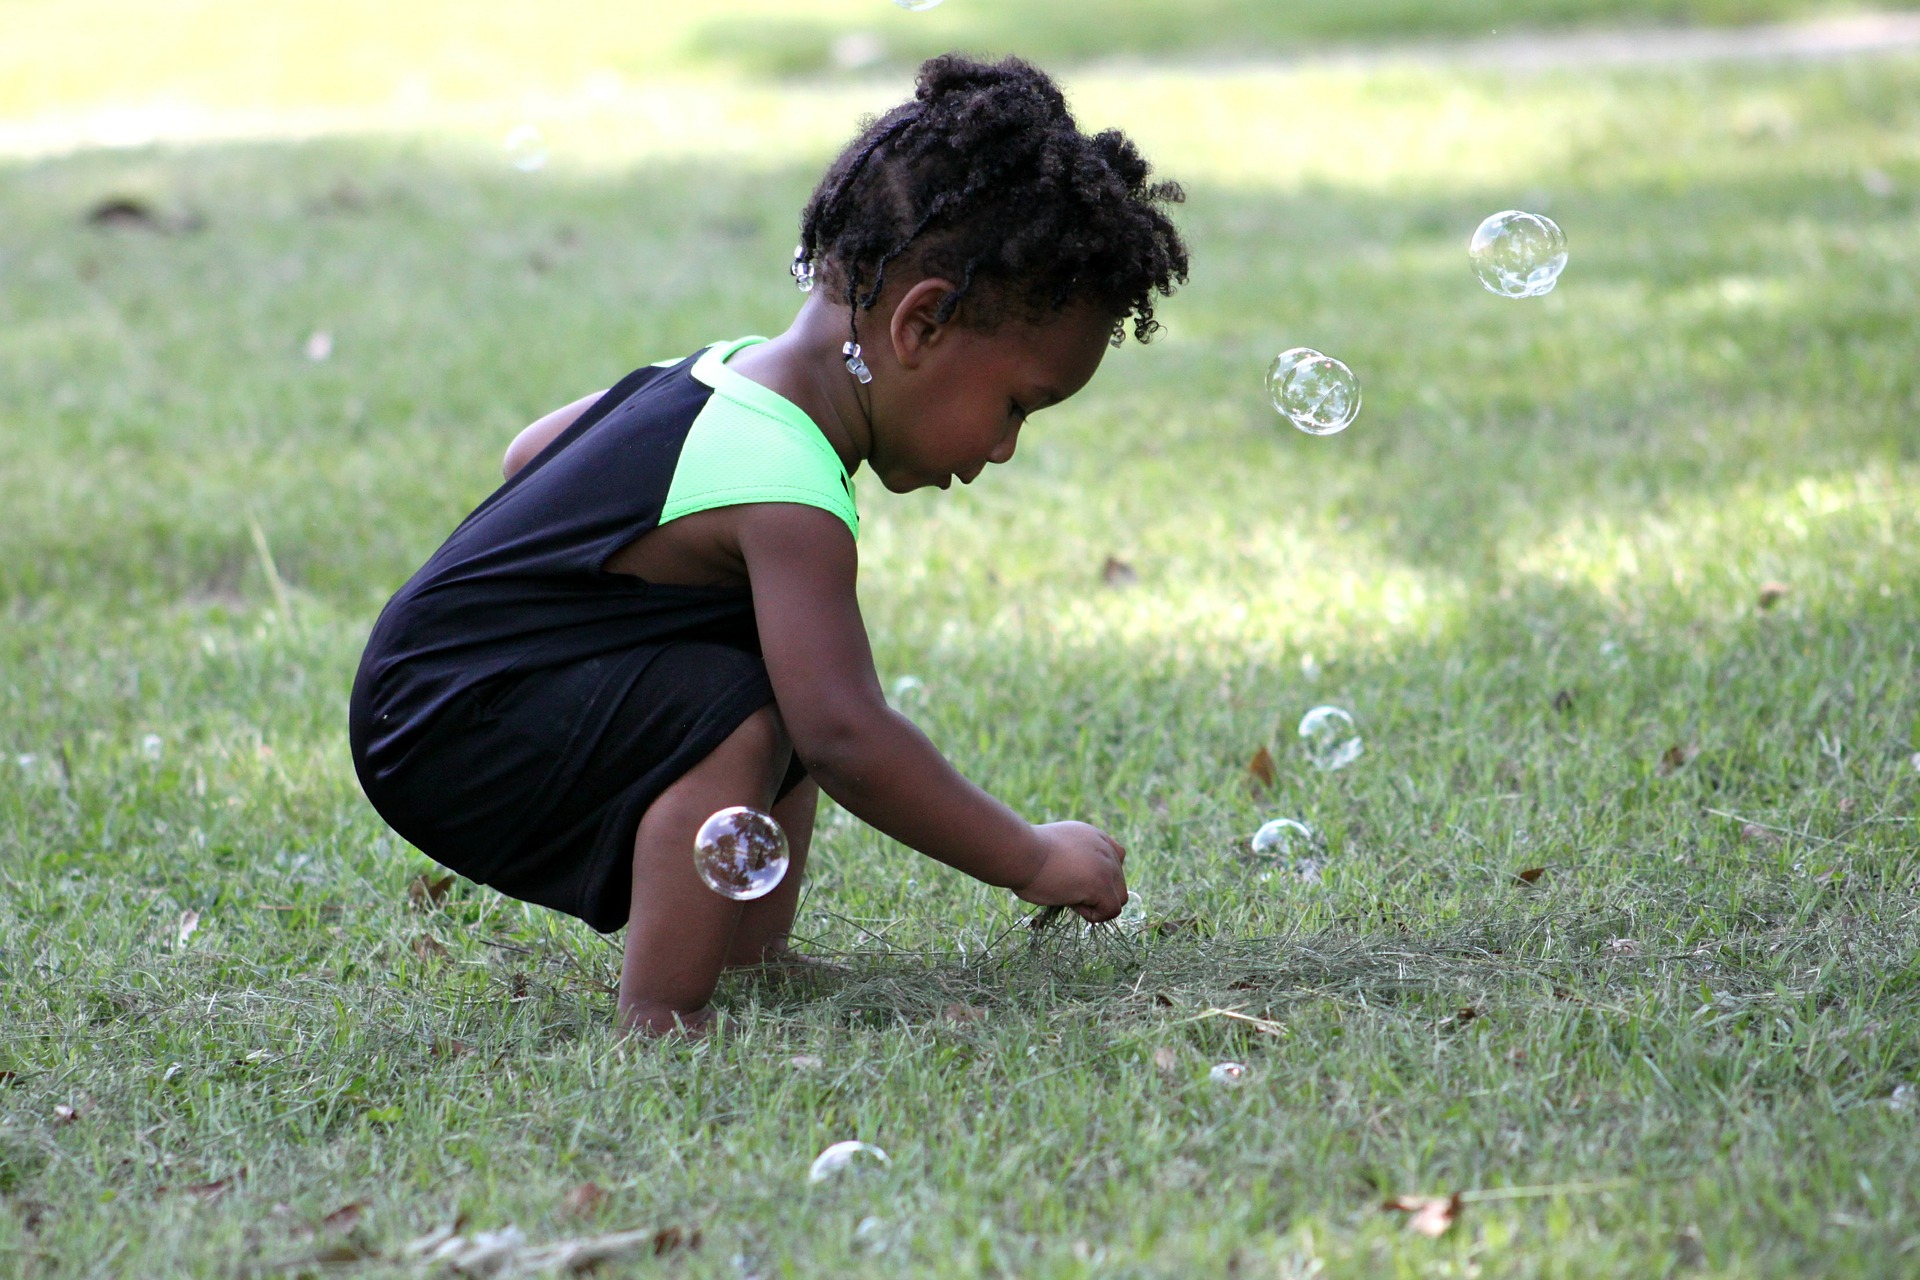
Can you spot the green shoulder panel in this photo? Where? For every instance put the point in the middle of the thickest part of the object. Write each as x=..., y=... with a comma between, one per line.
x=750, y=444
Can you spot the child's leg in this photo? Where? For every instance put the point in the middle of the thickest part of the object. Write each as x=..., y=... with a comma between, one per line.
x=766, y=922
x=680, y=932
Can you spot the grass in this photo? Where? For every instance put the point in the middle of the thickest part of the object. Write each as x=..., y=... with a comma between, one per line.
x=1685, y=1034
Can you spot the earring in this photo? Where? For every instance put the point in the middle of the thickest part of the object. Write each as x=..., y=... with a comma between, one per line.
x=855, y=365
x=801, y=269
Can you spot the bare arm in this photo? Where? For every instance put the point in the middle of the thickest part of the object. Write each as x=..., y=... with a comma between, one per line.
x=870, y=758
x=528, y=444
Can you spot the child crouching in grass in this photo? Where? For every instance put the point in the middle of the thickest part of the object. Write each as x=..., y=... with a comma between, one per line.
x=654, y=618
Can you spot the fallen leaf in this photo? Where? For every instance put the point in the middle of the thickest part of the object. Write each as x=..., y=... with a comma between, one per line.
x=1846, y=804
x=1178, y=924
x=667, y=1239
x=426, y=892
x=963, y=1013
x=201, y=1190
x=1261, y=769
x=1563, y=702
x=345, y=1218
x=125, y=211
x=9, y=1078
x=189, y=922
x=1530, y=875
x=341, y=1251
x=429, y=948
x=65, y=1113
x=1674, y=759
x=1771, y=594
x=1689, y=1250
x=452, y=1049
x=1623, y=947
x=805, y=1062
x=1165, y=1059
x=1760, y=835
x=1466, y=1015
x=585, y=1200
x=1431, y=1216
x=1118, y=573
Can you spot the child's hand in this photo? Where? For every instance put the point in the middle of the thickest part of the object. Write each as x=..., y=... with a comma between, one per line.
x=1083, y=870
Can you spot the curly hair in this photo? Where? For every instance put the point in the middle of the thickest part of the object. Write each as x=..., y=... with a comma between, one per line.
x=983, y=178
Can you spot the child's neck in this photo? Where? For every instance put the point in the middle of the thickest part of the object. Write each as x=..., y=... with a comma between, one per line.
x=805, y=365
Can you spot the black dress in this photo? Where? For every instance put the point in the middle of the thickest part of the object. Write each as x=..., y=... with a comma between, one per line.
x=518, y=707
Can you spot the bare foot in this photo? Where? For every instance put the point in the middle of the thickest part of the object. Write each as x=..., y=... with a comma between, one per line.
x=647, y=1018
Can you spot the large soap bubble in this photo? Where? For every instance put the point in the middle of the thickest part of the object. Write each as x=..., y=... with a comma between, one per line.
x=1318, y=394
x=741, y=853
x=1518, y=255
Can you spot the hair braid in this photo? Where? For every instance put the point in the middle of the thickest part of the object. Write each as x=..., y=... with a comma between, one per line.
x=984, y=178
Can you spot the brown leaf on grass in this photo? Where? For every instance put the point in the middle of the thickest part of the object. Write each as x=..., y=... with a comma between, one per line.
x=188, y=924
x=452, y=1049
x=963, y=1013
x=585, y=1200
x=1529, y=875
x=1178, y=924
x=9, y=1078
x=1760, y=835
x=427, y=892
x=1431, y=1216
x=1771, y=594
x=1467, y=1014
x=1165, y=1059
x=345, y=1218
x=1846, y=804
x=1118, y=573
x=1623, y=947
x=126, y=211
x=429, y=948
x=1261, y=769
x=1674, y=759
x=668, y=1239
x=65, y=1113
x=1563, y=702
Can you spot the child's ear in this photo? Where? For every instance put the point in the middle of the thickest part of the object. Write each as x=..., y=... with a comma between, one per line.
x=916, y=327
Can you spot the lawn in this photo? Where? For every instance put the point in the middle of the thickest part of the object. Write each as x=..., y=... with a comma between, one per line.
x=1543, y=570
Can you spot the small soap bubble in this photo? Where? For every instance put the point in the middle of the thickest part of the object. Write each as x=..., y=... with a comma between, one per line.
x=1518, y=255
x=741, y=853
x=151, y=746
x=1317, y=393
x=526, y=149
x=1283, y=838
x=907, y=689
x=1134, y=914
x=1331, y=738
x=1231, y=1074
x=856, y=1158
x=917, y=6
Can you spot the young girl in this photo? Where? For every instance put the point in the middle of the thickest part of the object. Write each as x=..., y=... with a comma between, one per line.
x=654, y=618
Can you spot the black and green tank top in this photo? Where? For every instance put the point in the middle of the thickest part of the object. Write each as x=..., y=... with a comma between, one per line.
x=522, y=584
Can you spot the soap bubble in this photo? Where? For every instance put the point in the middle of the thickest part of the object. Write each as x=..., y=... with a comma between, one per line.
x=1282, y=838
x=1231, y=1074
x=526, y=149
x=1330, y=737
x=917, y=6
x=907, y=689
x=152, y=747
x=1133, y=915
x=1518, y=255
x=741, y=853
x=1318, y=393
x=857, y=1158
